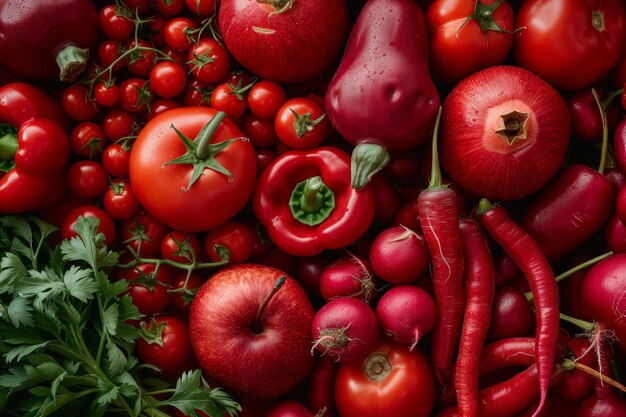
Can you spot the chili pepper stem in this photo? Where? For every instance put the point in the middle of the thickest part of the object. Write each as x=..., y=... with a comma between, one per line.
x=435, y=170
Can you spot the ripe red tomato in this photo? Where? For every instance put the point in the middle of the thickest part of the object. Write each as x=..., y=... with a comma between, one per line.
x=167, y=186
x=118, y=124
x=208, y=61
x=87, y=179
x=167, y=79
x=181, y=299
x=143, y=233
x=164, y=343
x=265, y=98
x=115, y=23
x=202, y=7
x=109, y=51
x=119, y=199
x=181, y=246
x=553, y=27
x=87, y=139
x=142, y=58
x=148, y=287
x=230, y=98
x=260, y=131
x=115, y=159
x=175, y=33
x=234, y=236
x=105, y=225
x=135, y=95
x=77, y=104
x=169, y=7
x=106, y=94
x=391, y=381
x=301, y=124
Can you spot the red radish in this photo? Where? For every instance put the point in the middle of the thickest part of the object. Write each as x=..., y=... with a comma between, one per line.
x=345, y=329
x=480, y=278
x=614, y=233
x=439, y=219
x=348, y=276
x=59, y=47
x=320, y=387
x=289, y=408
x=617, y=176
x=382, y=98
x=578, y=384
x=408, y=216
x=250, y=330
x=399, y=255
x=308, y=271
x=275, y=41
x=525, y=251
x=504, y=133
x=406, y=313
x=603, y=296
x=619, y=144
x=511, y=314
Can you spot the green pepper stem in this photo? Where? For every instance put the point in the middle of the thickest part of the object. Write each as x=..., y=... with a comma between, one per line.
x=312, y=200
x=204, y=138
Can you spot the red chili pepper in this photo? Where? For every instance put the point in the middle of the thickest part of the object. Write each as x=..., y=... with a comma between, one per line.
x=479, y=290
x=525, y=251
x=509, y=397
x=439, y=219
x=306, y=202
x=34, y=149
x=515, y=351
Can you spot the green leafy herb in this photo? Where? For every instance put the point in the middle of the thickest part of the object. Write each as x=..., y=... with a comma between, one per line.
x=65, y=338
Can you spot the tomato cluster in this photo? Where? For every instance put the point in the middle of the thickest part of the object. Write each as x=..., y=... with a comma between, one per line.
x=192, y=163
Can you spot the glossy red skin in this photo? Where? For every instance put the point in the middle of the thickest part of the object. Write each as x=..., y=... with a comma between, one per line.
x=510, y=352
x=571, y=209
x=407, y=391
x=234, y=236
x=439, y=219
x=387, y=198
x=348, y=276
x=585, y=115
x=105, y=224
x=289, y=408
x=292, y=53
x=480, y=278
x=213, y=71
x=603, y=296
x=480, y=161
x=87, y=179
x=385, y=66
x=360, y=324
x=119, y=199
x=511, y=314
x=320, y=387
x=213, y=198
x=58, y=23
x=263, y=365
x=181, y=247
x=352, y=216
x=614, y=234
x=143, y=233
x=454, y=53
x=176, y=348
x=525, y=251
x=399, y=255
x=152, y=299
x=578, y=384
x=38, y=178
x=619, y=144
x=20, y=102
x=590, y=53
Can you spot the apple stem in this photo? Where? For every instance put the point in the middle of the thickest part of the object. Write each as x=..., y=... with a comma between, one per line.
x=279, y=283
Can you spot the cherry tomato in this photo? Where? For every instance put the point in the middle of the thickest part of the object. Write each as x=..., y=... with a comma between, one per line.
x=143, y=233
x=87, y=139
x=161, y=105
x=105, y=225
x=106, y=95
x=301, y=124
x=139, y=6
x=230, y=99
x=164, y=343
x=175, y=33
x=260, y=131
x=180, y=246
x=77, y=104
x=109, y=52
x=148, y=287
x=263, y=158
x=234, y=236
x=265, y=98
x=202, y=7
x=115, y=23
x=87, y=179
x=156, y=28
x=208, y=61
x=135, y=95
x=141, y=59
x=391, y=381
x=169, y=7
x=118, y=124
x=119, y=199
x=115, y=159
x=167, y=79
x=197, y=93
x=181, y=295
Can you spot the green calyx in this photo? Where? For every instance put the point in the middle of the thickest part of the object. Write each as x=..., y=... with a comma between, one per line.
x=483, y=14
x=201, y=152
x=8, y=147
x=312, y=201
x=303, y=122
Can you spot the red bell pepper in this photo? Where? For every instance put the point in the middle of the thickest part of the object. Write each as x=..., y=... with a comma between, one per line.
x=307, y=204
x=34, y=149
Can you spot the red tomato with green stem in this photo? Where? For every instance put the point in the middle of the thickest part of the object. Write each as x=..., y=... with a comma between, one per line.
x=115, y=22
x=109, y=54
x=87, y=139
x=169, y=7
x=148, y=287
x=135, y=95
x=164, y=342
x=106, y=93
x=551, y=27
x=77, y=104
x=87, y=179
x=181, y=247
x=143, y=233
x=176, y=32
x=466, y=37
x=301, y=124
x=208, y=61
x=167, y=79
x=115, y=159
x=119, y=199
x=197, y=158
x=184, y=288
x=231, y=99
x=390, y=381
x=142, y=57
x=202, y=7
x=234, y=236
x=118, y=124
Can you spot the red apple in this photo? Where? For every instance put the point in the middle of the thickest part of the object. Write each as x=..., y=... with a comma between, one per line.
x=250, y=330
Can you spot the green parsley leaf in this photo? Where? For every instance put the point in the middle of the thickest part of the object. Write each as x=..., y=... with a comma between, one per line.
x=89, y=245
